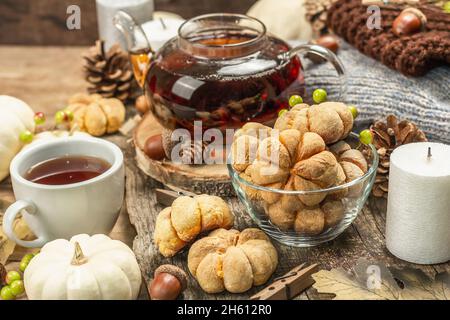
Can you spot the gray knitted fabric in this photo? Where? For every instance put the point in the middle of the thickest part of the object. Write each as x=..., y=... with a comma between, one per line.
x=378, y=91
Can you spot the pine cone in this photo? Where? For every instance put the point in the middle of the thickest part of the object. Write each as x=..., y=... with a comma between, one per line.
x=193, y=153
x=386, y=137
x=109, y=73
x=187, y=154
x=316, y=14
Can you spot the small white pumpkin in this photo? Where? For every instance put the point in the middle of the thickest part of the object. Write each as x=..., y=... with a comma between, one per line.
x=15, y=117
x=84, y=268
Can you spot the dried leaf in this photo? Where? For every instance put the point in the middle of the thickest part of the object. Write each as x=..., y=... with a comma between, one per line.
x=374, y=281
x=419, y=286
x=20, y=228
x=358, y=285
x=6, y=247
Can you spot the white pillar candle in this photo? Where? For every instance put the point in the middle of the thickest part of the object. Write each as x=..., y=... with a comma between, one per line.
x=140, y=10
x=161, y=30
x=418, y=213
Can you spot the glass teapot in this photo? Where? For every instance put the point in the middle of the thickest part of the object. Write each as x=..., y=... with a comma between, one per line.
x=223, y=70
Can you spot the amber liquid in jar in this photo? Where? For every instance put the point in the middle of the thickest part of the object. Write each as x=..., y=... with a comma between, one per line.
x=222, y=93
x=140, y=60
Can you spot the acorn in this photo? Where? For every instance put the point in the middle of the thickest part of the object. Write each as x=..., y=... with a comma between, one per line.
x=153, y=147
x=408, y=22
x=142, y=104
x=168, y=283
x=328, y=41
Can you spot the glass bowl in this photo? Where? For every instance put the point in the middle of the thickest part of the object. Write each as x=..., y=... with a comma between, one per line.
x=321, y=223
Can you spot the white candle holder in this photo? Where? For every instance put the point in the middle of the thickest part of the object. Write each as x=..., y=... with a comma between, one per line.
x=140, y=10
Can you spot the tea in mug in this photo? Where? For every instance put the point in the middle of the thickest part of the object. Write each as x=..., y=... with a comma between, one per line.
x=67, y=170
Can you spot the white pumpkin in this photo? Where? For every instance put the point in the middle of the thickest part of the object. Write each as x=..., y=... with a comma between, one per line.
x=84, y=268
x=15, y=117
x=285, y=19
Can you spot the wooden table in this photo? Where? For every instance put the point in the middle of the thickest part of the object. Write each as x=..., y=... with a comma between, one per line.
x=46, y=77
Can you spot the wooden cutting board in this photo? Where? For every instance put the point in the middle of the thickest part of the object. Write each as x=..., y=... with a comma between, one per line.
x=210, y=179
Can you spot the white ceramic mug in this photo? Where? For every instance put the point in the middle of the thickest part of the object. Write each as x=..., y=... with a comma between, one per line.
x=62, y=211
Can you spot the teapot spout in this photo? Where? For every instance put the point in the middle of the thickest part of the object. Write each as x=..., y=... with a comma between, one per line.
x=138, y=45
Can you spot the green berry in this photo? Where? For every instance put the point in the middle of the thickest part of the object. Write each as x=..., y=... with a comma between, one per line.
x=446, y=7
x=281, y=112
x=63, y=116
x=354, y=111
x=60, y=117
x=6, y=293
x=28, y=257
x=366, y=136
x=69, y=115
x=12, y=276
x=294, y=100
x=17, y=287
x=39, y=118
x=319, y=95
x=25, y=261
x=23, y=265
x=26, y=136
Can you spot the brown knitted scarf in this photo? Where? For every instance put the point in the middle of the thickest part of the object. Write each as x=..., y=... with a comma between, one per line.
x=412, y=55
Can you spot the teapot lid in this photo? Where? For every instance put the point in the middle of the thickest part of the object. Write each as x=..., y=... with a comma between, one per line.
x=221, y=35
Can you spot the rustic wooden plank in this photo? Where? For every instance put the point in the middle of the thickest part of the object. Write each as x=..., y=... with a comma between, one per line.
x=44, y=77
x=143, y=210
x=27, y=75
x=378, y=211
x=364, y=239
x=43, y=22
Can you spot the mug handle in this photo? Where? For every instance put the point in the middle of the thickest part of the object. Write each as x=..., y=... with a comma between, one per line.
x=8, y=223
x=330, y=57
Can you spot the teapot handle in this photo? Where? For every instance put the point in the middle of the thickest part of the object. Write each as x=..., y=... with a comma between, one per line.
x=330, y=57
x=139, y=49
